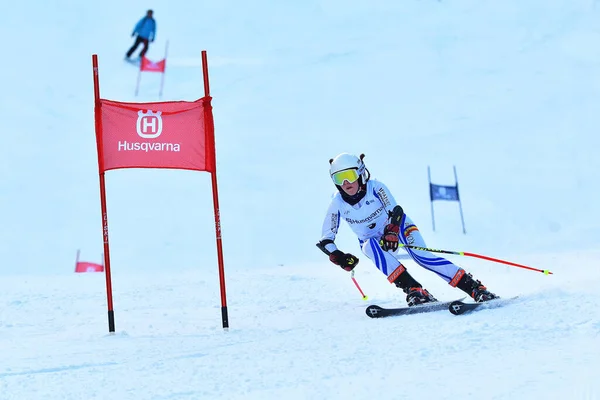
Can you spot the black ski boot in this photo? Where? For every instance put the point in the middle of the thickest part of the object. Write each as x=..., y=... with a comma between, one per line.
x=474, y=288
x=415, y=294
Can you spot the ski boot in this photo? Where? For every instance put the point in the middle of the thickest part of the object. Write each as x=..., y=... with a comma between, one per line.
x=473, y=287
x=415, y=294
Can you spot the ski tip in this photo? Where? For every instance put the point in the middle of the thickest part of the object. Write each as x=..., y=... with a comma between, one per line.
x=456, y=307
x=373, y=311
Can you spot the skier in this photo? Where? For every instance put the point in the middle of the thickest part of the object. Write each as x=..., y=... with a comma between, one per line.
x=146, y=31
x=380, y=225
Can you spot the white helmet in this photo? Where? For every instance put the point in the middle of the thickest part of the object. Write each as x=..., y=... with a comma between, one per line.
x=347, y=167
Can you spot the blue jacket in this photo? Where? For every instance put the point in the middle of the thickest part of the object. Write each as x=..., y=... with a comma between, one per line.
x=145, y=28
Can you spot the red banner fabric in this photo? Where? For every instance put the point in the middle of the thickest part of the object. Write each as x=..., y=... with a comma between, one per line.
x=84, y=266
x=153, y=66
x=174, y=134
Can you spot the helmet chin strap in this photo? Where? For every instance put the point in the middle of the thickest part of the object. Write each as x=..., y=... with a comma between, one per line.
x=356, y=197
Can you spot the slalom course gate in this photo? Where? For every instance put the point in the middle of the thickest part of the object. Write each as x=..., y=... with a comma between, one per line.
x=153, y=66
x=447, y=193
x=183, y=131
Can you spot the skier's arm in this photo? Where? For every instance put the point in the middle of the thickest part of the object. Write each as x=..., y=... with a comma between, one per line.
x=389, y=241
x=153, y=33
x=331, y=225
x=137, y=27
x=385, y=196
x=327, y=245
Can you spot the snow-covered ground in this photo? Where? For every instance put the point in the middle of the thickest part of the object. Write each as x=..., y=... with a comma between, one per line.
x=506, y=91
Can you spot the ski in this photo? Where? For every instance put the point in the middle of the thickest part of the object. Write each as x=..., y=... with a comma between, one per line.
x=374, y=311
x=458, y=307
x=133, y=61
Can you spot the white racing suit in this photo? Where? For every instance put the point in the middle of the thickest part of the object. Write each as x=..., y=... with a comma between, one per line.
x=368, y=218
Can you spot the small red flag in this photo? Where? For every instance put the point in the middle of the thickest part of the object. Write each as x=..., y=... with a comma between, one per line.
x=84, y=266
x=174, y=134
x=153, y=66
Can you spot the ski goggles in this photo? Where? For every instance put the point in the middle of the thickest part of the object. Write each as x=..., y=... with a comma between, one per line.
x=350, y=175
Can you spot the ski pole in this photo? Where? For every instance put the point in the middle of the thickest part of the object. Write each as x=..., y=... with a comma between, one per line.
x=464, y=253
x=364, y=297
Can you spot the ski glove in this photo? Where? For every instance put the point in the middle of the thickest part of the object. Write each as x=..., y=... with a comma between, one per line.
x=389, y=241
x=345, y=260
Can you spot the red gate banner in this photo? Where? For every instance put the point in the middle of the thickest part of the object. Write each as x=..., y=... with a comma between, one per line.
x=172, y=134
x=153, y=66
x=84, y=266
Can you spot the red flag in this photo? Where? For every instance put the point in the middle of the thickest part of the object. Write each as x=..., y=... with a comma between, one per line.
x=153, y=66
x=84, y=266
x=174, y=134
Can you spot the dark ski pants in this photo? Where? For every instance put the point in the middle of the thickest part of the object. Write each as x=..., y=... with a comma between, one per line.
x=138, y=41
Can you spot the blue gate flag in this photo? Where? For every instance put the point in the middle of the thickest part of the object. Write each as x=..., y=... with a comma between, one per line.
x=441, y=192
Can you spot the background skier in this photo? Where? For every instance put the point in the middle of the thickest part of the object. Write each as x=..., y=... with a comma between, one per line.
x=145, y=30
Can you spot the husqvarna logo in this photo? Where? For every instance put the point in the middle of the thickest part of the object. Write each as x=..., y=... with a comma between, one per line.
x=149, y=124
